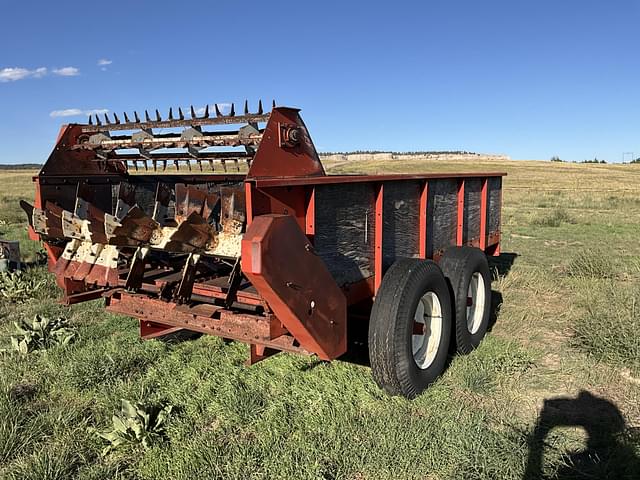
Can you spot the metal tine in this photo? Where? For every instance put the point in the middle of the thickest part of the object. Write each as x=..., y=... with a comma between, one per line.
x=180, y=114
x=90, y=120
x=224, y=164
x=259, y=107
x=206, y=111
x=135, y=164
x=164, y=165
x=136, y=117
x=158, y=117
x=199, y=164
x=193, y=112
x=232, y=113
x=246, y=107
x=218, y=114
x=117, y=120
x=189, y=164
x=273, y=104
x=146, y=116
x=211, y=165
x=177, y=164
x=237, y=164
x=155, y=165
x=170, y=113
x=126, y=117
x=106, y=119
x=98, y=122
x=146, y=167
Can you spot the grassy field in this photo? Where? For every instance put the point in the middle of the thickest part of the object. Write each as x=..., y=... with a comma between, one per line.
x=552, y=392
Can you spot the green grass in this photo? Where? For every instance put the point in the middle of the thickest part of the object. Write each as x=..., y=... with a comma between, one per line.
x=591, y=263
x=568, y=322
x=609, y=329
x=555, y=218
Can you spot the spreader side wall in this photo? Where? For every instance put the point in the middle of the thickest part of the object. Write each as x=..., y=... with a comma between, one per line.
x=417, y=218
x=494, y=185
x=344, y=230
x=400, y=217
x=441, y=215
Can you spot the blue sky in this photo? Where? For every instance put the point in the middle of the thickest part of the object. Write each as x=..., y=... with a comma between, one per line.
x=530, y=79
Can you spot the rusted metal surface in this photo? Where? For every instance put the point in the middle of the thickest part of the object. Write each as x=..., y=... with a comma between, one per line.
x=194, y=121
x=282, y=157
x=202, y=318
x=140, y=209
x=280, y=262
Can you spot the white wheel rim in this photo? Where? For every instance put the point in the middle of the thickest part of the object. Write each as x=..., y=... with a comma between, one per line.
x=427, y=331
x=475, y=302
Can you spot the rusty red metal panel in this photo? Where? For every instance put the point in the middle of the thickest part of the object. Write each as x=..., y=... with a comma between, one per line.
x=198, y=317
x=214, y=291
x=379, y=228
x=483, y=214
x=359, y=291
x=281, y=264
x=286, y=149
x=460, y=216
x=281, y=200
x=289, y=182
x=310, y=215
x=248, y=194
x=150, y=330
x=424, y=196
x=64, y=162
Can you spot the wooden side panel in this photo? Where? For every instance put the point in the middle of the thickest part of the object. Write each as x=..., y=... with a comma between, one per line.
x=401, y=221
x=471, y=229
x=442, y=213
x=495, y=204
x=344, y=230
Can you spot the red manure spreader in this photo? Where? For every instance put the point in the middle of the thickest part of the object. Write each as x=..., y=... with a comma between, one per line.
x=227, y=224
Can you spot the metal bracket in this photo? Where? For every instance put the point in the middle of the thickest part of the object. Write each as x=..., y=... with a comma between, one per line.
x=136, y=272
x=234, y=283
x=289, y=135
x=185, y=288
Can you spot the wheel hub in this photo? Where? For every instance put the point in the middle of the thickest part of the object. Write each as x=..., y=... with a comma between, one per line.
x=427, y=330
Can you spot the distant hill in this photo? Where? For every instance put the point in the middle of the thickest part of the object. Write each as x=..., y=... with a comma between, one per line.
x=21, y=166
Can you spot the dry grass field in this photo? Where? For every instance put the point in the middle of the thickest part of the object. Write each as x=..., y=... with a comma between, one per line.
x=552, y=392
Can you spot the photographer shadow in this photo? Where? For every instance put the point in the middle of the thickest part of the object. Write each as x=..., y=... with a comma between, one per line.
x=609, y=451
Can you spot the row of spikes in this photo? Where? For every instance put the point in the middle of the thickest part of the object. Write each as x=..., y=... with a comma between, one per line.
x=164, y=163
x=232, y=113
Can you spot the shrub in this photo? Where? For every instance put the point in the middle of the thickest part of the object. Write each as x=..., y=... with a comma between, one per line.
x=18, y=286
x=554, y=219
x=609, y=328
x=41, y=333
x=142, y=423
x=590, y=263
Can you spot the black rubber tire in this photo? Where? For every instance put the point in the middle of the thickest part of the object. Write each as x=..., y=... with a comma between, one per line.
x=458, y=265
x=391, y=327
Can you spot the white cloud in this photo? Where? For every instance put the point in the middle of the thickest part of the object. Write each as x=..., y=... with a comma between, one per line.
x=97, y=111
x=11, y=74
x=76, y=112
x=66, y=71
x=103, y=63
x=69, y=112
x=39, y=72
